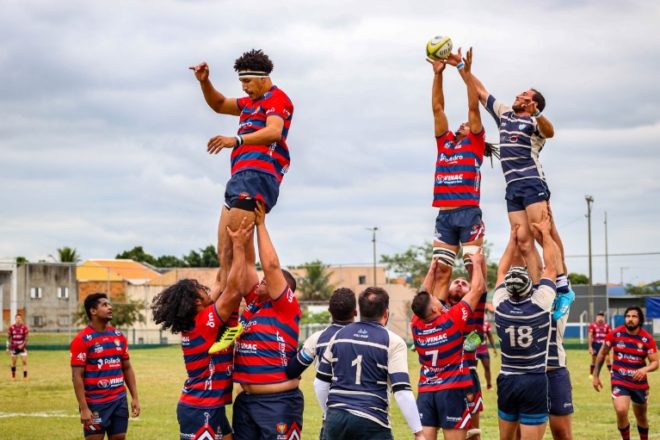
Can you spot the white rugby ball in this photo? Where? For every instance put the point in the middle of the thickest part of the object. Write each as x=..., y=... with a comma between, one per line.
x=438, y=48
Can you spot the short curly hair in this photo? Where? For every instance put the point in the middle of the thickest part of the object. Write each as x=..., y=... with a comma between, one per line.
x=256, y=60
x=175, y=307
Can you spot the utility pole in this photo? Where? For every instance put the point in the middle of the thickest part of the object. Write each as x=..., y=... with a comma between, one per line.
x=592, y=316
x=607, y=274
x=373, y=240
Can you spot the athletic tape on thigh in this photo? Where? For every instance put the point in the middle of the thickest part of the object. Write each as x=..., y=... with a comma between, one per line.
x=444, y=256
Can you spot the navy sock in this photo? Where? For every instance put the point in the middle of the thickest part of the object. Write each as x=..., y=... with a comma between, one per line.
x=562, y=283
x=625, y=432
x=643, y=432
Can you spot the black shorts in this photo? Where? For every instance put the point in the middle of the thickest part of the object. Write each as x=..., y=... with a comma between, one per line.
x=110, y=418
x=202, y=422
x=522, y=193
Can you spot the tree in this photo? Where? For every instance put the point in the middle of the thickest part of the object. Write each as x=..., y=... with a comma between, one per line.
x=206, y=257
x=413, y=264
x=21, y=260
x=315, y=285
x=138, y=254
x=315, y=318
x=578, y=278
x=66, y=254
x=647, y=290
x=169, y=261
x=125, y=313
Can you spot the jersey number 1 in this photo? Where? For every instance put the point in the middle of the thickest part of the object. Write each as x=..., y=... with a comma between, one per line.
x=357, y=362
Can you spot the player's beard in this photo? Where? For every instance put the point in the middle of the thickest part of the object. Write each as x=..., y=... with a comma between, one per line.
x=632, y=328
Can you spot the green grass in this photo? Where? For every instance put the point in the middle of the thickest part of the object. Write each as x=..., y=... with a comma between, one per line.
x=45, y=406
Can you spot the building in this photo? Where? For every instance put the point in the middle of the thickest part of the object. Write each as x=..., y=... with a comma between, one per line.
x=46, y=295
x=112, y=277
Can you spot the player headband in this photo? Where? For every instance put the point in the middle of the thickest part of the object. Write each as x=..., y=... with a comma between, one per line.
x=252, y=74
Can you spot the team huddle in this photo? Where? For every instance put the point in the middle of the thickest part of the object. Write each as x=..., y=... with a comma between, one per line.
x=359, y=363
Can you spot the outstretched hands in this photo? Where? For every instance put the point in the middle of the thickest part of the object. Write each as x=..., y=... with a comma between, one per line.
x=260, y=214
x=545, y=225
x=243, y=234
x=201, y=71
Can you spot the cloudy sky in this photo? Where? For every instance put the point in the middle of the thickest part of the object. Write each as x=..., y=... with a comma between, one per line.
x=103, y=128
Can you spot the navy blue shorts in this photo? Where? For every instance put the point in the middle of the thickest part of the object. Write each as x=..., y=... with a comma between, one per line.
x=202, y=422
x=255, y=185
x=110, y=418
x=560, y=392
x=460, y=225
x=447, y=409
x=268, y=416
x=523, y=397
x=522, y=193
x=342, y=425
x=595, y=347
x=640, y=397
x=474, y=398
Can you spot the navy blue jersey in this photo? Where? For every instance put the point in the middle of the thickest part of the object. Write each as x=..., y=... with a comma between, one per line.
x=315, y=345
x=520, y=142
x=361, y=362
x=523, y=328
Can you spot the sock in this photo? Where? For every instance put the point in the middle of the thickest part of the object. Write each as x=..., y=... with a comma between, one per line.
x=562, y=283
x=13, y=372
x=625, y=432
x=591, y=369
x=609, y=367
x=643, y=432
x=24, y=374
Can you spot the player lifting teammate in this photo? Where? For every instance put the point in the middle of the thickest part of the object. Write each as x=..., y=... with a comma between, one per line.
x=187, y=308
x=445, y=382
x=260, y=155
x=457, y=177
x=523, y=318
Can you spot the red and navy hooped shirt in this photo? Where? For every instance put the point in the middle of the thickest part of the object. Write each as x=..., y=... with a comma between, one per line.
x=439, y=345
x=269, y=338
x=457, y=175
x=630, y=353
x=17, y=335
x=475, y=323
x=101, y=355
x=274, y=158
x=209, y=383
x=598, y=332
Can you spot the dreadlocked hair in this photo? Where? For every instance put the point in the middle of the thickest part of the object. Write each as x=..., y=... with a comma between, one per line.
x=255, y=59
x=175, y=308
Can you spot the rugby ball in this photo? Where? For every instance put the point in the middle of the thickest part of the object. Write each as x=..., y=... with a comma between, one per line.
x=438, y=48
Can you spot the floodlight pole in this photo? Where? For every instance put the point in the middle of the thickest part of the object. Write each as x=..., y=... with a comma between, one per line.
x=373, y=240
x=590, y=200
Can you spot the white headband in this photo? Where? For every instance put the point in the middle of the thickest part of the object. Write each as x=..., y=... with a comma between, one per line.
x=252, y=74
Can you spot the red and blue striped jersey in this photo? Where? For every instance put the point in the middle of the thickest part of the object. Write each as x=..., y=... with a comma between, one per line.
x=269, y=338
x=17, y=335
x=630, y=353
x=274, y=158
x=475, y=323
x=439, y=345
x=598, y=331
x=209, y=383
x=101, y=355
x=457, y=175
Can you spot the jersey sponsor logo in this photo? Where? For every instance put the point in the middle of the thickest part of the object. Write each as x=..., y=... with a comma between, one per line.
x=362, y=334
x=185, y=340
x=117, y=332
x=281, y=427
x=449, y=179
x=87, y=337
x=522, y=126
x=82, y=357
x=441, y=338
x=97, y=348
x=444, y=158
x=111, y=362
x=211, y=321
x=242, y=346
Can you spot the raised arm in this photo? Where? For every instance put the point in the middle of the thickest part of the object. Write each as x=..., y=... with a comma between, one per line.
x=482, y=93
x=216, y=100
x=270, y=263
x=508, y=255
x=474, y=116
x=478, y=281
x=438, y=100
x=230, y=299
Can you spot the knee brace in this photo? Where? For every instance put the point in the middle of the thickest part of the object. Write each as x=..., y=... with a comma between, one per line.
x=444, y=256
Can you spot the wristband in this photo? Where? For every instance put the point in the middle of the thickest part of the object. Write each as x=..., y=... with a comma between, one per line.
x=536, y=114
x=239, y=140
x=460, y=65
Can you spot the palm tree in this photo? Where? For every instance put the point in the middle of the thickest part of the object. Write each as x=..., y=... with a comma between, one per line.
x=315, y=285
x=66, y=254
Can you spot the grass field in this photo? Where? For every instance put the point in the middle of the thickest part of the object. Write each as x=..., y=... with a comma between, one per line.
x=45, y=406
